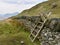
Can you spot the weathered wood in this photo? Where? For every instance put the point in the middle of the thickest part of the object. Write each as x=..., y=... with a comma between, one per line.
x=40, y=29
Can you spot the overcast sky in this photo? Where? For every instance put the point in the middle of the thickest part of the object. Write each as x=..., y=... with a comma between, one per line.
x=10, y=6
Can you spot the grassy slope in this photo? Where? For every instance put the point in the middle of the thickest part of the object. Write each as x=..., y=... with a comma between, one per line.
x=12, y=33
x=43, y=7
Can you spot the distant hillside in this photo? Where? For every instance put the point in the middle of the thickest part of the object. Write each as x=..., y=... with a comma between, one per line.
x=4, y=16
x=43, y=7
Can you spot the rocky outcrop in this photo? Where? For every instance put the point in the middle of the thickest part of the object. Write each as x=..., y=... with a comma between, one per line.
x=50, y=35
x=49, y=38
x=29, y=21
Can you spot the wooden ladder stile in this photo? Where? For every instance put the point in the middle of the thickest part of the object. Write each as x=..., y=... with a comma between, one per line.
x=34, y=36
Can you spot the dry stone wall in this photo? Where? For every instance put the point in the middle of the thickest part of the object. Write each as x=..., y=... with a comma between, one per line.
x=50, y=35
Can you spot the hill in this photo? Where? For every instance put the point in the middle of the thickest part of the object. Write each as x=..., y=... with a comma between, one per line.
x=43, y=7
x=7, y=15
x=12, y=32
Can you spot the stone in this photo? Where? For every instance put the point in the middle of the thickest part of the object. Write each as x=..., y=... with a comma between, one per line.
x=54, y=5
x=58, y=43
x=22, y=42
x=49, y=35
x=50, y=39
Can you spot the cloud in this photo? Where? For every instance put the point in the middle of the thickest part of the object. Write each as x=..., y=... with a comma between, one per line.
x=7, y=8
x=10, y=6
x=9, y=1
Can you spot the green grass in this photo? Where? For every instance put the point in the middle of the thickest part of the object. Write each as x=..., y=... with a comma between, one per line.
x=15, y=39
x=42, y=7
x=13, y=35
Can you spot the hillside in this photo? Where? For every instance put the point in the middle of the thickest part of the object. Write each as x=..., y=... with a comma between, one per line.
x=43, y=7
x=13, y=31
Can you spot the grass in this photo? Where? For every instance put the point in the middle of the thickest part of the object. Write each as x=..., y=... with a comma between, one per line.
x=13, y=34
x=15, y=39
x=43, y=7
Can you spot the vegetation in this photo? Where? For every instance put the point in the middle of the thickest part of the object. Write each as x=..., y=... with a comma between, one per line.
x=43, y=7
x=13, y=32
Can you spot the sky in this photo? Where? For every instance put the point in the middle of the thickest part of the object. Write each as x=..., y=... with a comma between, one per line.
x=11, y=6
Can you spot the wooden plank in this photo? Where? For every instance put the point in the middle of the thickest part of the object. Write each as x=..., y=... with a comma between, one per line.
x=39, y=30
